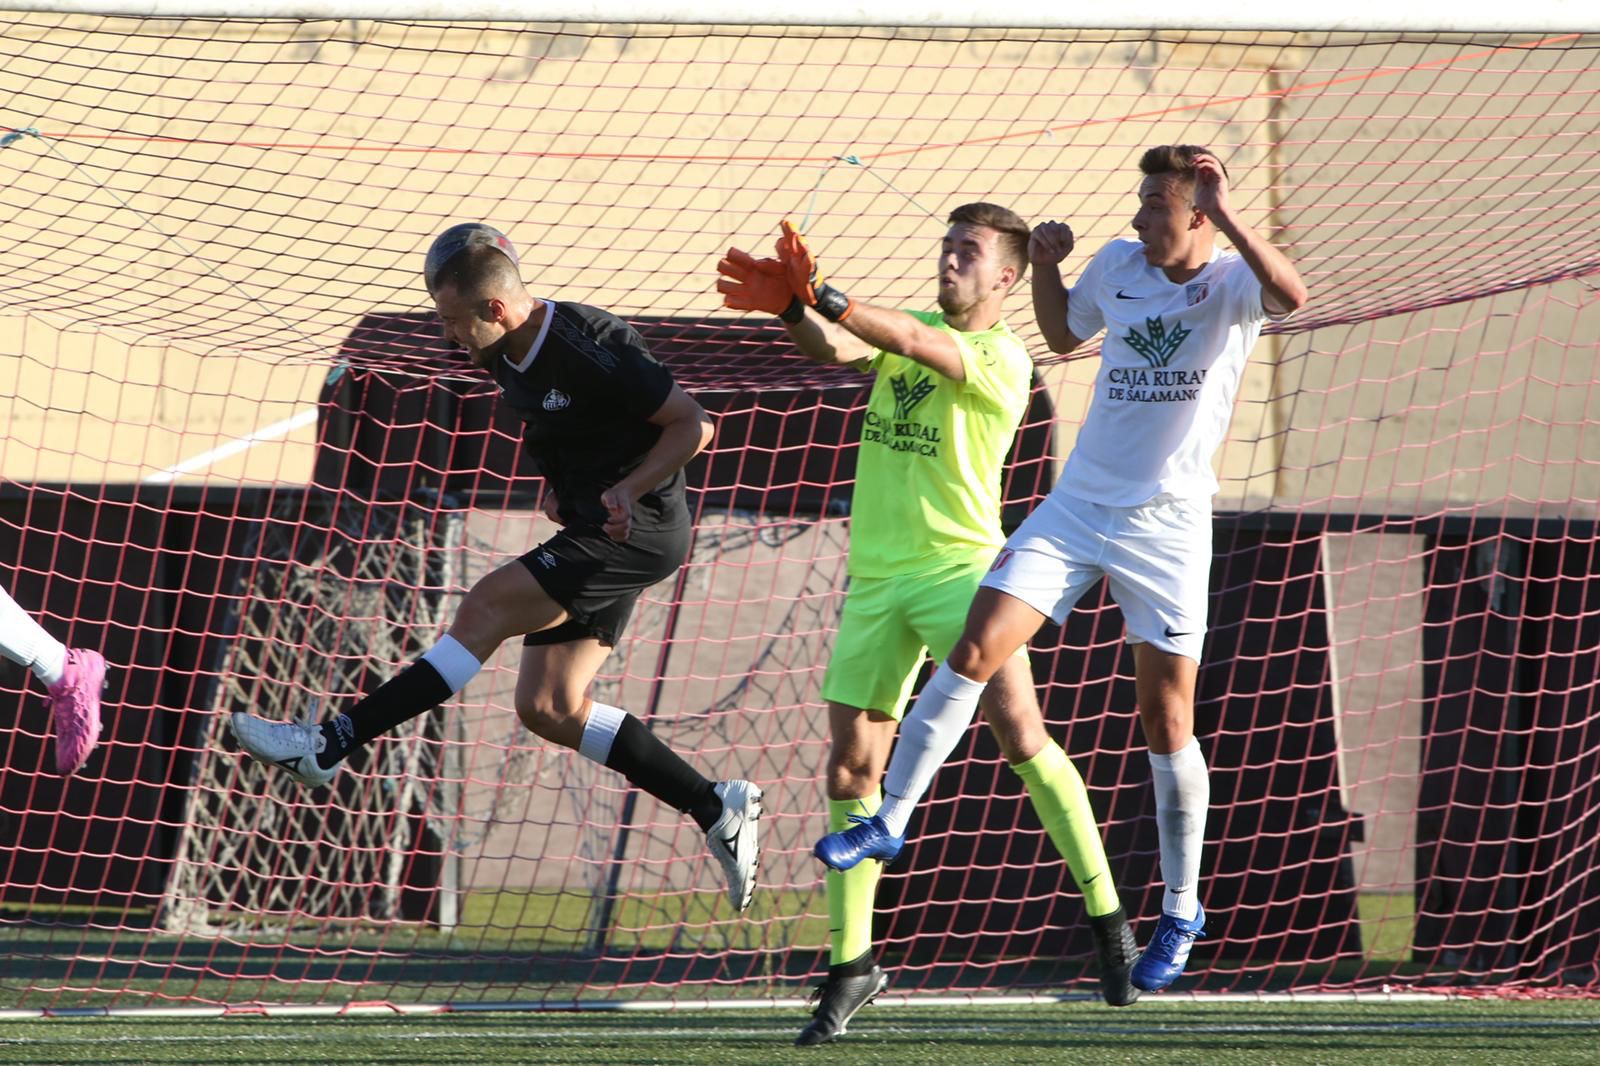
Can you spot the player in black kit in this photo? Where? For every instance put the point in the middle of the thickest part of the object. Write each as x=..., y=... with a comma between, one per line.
x=610, y=432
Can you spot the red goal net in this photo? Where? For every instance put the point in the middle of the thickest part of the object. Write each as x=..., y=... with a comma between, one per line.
x=237, y=459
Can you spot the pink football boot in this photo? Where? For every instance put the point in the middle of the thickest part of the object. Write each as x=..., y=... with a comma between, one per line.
x=75, y=708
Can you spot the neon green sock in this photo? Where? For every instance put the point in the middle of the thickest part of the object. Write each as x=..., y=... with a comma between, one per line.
x=850, y=893
x=1063, y=806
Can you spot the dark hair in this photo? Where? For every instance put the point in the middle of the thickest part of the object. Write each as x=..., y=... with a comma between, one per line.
x=1175, y=159
x=477, y=271
x=1004, y=221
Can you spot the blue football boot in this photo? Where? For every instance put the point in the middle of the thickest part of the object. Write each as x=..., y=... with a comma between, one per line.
x=1168, y=951
x=868, y=838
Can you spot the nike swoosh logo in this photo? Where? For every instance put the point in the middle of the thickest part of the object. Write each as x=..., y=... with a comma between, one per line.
x=732, y=844
x=1186, y=633
x=1091, y=880
x=1124, y=296
x=291, y=764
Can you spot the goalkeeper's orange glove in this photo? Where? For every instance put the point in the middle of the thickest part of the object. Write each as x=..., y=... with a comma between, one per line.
x=805, y=282
x=751, y=284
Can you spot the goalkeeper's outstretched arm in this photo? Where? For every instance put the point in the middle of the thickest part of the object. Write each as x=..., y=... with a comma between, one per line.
x=882, y=329
x=750, y=284
x=825, y=324
x=822, y=341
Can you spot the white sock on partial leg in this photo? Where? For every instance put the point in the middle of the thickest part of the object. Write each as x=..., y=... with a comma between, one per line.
x=453, y=661
x=1183, y=795
x=599, y=731
x=927, y=737
x=22, y=640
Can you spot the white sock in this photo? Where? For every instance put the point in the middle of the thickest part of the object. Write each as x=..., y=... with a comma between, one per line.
x=599, y=731
x=454, y=662
x=1183, y=793
x=22, y=640
x=927, y=737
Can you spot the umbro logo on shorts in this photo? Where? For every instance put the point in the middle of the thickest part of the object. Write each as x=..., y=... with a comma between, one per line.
x=546, y=560
x=555, y=400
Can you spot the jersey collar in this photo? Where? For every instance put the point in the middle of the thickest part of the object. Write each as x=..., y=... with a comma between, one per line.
x=538, y=342
x=1160, y=275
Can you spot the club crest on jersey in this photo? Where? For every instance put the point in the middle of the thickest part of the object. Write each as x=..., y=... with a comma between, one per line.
x=555, y=400
x=1157, y=345
x=910, y=391
x=1197, y=292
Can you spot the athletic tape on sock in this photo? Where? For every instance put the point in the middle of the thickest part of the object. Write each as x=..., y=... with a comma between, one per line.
x=454, y=662
x=599, y=731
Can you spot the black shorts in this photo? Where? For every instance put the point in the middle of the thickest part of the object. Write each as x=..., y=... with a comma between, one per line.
x=598, y=579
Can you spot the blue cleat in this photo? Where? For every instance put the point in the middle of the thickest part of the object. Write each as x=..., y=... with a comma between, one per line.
x=1168, y=951
x=868, y=838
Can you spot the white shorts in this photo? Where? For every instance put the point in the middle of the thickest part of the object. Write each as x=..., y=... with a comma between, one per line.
x=1156, y=557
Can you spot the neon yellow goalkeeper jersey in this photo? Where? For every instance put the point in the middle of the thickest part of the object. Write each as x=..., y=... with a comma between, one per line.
x=928, y=477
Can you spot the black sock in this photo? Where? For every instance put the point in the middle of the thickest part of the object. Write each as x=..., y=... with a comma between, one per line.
x=859, y=966
x=417, y=689
x=641, y=757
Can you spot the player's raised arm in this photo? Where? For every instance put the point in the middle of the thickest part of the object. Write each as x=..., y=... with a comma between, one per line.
x=1282, y=290
x=825, y=324
x=1049, y=244
x=878, y=328
x=751, y=284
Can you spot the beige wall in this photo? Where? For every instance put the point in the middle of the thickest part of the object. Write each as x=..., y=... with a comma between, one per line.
x=242, y=194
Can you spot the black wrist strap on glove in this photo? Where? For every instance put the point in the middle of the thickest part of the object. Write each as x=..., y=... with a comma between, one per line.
x=832, y=304
x=794, y=312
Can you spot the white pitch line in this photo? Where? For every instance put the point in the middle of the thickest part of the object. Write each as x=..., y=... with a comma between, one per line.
x=233, y=447
x=1194, y=1000
x=329, y=1033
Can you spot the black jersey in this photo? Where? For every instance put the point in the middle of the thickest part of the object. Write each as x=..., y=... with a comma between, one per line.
x=585, y=392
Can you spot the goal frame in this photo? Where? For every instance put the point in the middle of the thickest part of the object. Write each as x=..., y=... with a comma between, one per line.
x=1364, y=16
x=1555, y=19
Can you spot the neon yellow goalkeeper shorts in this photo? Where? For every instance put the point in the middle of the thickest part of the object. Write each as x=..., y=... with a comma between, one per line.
x=888, y=624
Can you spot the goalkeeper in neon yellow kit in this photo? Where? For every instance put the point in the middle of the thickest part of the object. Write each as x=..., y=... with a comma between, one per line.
x=950, y=389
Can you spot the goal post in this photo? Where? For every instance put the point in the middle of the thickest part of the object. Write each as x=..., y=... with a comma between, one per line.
x=213, y=244
x=336, y=592
x=1357, y=16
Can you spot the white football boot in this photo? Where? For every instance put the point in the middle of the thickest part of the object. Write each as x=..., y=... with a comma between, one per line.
x=732, y=839
x=294, y=746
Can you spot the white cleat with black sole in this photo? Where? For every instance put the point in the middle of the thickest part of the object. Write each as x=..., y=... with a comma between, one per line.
x=292, y=746
x=732, y=838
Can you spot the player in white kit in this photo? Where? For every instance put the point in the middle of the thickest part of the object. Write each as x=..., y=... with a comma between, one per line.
x=1133, y=502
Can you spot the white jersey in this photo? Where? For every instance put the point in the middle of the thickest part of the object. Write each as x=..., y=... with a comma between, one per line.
x=1169, y=372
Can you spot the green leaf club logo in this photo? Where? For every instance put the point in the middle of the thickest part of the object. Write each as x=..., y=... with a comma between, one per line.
x=903, y=433
x=910, y=391
x=1159, y=346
